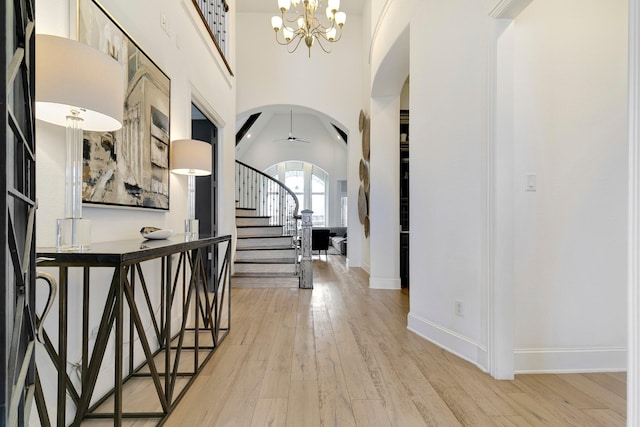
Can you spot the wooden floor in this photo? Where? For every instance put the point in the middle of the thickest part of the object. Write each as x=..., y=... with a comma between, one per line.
x=340, y=355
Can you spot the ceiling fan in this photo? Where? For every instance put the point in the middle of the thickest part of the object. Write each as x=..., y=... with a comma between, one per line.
x=292, y=138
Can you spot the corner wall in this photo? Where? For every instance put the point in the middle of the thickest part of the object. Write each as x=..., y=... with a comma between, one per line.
x=570, y=89
x=569, y=127
x=449, y=51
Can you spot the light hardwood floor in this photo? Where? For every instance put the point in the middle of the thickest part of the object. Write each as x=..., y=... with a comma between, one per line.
x=341, y=355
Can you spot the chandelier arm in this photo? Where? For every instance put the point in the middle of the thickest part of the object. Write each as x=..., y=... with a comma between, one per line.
x=290, y=21
x=318, y=27
x=322, y=46
x=312, y=27
x=296, y=46
x=338, y=35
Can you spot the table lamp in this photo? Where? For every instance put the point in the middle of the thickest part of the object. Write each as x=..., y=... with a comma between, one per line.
x=191, y=157
x=78, y=87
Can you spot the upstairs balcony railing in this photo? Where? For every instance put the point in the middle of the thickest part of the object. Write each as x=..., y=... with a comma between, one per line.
x=214, y=16
x=268, y=196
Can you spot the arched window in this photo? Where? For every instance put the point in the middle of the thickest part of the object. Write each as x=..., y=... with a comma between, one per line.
x=309, y=183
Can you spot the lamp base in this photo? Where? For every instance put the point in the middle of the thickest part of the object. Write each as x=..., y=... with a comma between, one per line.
x=191, y=228
x=73, y=234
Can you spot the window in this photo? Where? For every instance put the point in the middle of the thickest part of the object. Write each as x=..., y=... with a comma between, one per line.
x=309, y=183
x=294, y=179
x=342, y=199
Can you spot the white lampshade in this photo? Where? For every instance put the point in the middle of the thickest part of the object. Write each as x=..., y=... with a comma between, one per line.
x=72, y=75
x=276, y=22
x=190, y=157
x=341, y=18
x=329, y=14
x=284, y=4
x=334, y=5
x=287, y=32
x=331, y=34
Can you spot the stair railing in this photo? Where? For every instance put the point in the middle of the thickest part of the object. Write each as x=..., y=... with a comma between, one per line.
x=268, y=196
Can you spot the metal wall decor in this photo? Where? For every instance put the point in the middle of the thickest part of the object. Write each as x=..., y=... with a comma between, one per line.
x=363, y=192
x=129, y=167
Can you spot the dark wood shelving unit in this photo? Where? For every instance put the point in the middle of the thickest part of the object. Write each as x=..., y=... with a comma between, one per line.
x=404, y=198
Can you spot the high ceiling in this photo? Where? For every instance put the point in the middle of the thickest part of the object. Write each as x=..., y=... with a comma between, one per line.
x=353, y=7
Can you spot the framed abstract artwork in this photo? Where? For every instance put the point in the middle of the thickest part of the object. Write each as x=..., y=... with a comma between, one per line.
x=128, y=167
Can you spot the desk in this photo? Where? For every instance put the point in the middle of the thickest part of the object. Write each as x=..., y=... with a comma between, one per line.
x=204, y=321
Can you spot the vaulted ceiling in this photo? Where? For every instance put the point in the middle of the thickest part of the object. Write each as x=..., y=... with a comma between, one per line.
x=246, y=125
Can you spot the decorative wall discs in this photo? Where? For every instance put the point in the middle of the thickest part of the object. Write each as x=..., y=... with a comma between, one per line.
x=362, y=204
x=366, y=138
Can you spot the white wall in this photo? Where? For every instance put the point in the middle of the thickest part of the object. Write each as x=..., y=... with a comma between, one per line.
x=186, y=56
x=569, y=127
x=570, y=235
x=200, y=78
x=328, y=83
x=449, y=50
x=324, y=150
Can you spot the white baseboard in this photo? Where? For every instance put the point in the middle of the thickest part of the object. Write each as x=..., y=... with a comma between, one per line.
x=366, y=267
x=570, y=360
x=379, y=283
x=456, y=343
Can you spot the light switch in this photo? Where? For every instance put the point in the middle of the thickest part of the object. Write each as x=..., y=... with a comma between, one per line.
x=530, y=180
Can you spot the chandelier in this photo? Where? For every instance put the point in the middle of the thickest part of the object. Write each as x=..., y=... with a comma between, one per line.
x=309, y=28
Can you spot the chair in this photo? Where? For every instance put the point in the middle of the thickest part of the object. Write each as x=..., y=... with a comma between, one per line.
x=320, y=240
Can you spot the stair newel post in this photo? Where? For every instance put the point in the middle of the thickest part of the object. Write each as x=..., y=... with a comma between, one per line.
x=306, y=263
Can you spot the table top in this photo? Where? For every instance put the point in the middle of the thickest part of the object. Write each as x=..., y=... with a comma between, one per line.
x=121, y=252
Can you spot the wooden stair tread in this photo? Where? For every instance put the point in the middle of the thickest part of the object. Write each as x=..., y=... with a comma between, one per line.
x=264, y=237
x=265, y=248
x=264, y=275
x=266, y=261
x=258, y=226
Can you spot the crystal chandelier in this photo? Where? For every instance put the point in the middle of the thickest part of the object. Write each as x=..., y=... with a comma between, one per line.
x=309, y=28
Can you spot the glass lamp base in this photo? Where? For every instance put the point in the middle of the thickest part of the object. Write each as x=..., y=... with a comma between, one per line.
x=191, y=228
x=73, y=234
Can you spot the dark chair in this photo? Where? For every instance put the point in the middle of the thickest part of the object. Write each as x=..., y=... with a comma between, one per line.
x=320, y=240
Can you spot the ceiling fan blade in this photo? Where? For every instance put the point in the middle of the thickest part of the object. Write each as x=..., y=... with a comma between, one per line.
x=294, y=139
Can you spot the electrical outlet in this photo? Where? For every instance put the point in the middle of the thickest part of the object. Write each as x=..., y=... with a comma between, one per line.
x=459, y=309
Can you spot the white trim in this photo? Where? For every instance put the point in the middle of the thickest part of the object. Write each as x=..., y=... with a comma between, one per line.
x=508, y=9
x=454, y=342
x=206, y=108
x=381, y=283
x=570, y=360
x=365, y=266
x=633, y=309
x=491, y=232
x=376, y=30
x=498, y=263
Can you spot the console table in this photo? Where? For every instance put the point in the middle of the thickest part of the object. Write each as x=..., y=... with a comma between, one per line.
x=194, y=287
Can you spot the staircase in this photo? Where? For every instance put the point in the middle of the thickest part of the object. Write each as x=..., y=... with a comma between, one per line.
x=266, y=253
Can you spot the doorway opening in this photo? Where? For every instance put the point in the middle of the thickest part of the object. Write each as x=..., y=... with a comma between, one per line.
x=202, y=128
